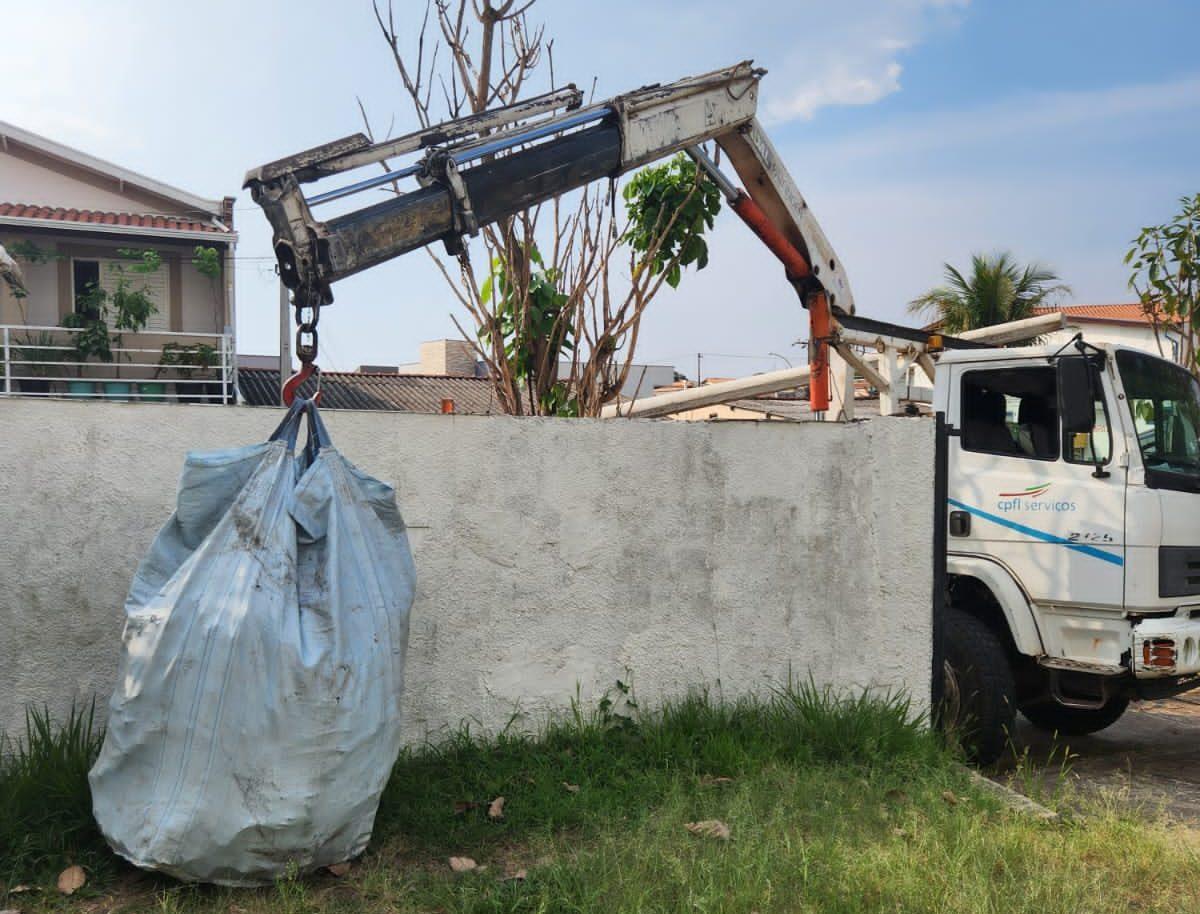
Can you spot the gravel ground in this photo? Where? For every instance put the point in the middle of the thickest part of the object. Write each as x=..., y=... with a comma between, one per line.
x=1151, y=756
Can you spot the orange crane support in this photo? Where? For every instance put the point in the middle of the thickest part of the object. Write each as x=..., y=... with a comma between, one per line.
x=820, y=320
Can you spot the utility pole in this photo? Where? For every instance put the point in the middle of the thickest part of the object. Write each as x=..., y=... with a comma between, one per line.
x=698, y=369
x=285, y=339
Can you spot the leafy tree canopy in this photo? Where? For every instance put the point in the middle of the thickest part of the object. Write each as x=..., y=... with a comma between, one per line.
x=996, y=290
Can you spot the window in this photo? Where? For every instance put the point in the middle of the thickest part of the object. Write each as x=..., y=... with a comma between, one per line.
x=1011, y=411
x=1164, y=401
x=86, y=275
x=1095, y=447
x=92, y=276
x=1091, y=447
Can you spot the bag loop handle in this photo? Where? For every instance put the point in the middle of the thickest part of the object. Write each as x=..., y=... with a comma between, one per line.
x=289, y=427
x=318, y=435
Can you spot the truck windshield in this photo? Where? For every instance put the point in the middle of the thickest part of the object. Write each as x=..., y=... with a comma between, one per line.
x=1165, y=403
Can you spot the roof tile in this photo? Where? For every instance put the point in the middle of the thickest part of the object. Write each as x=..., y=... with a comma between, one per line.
x=136, y=220
x=390, y=392
x=1128, y=312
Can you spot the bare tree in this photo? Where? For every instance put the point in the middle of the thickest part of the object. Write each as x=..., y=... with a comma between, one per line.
x=556, y=335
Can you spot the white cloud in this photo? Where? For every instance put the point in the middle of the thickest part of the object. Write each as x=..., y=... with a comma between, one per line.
x=843, y=86
x=818, y=54
x=851, y=55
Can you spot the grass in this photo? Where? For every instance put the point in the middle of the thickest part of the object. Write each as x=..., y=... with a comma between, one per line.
x=45, y=805
x=834, y=804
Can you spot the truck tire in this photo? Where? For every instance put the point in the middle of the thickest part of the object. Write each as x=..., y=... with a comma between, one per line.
x=979, y=701
x=1052, y=717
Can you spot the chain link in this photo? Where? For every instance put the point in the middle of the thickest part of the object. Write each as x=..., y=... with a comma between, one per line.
x=307, y=315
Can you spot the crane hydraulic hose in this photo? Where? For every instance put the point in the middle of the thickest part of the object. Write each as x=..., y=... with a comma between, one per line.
x=820, y=320
x=795, y=265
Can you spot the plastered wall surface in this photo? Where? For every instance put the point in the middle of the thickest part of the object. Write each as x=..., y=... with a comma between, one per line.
x=551, y=554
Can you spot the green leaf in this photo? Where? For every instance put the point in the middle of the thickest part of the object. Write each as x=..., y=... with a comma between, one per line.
x=665, y=200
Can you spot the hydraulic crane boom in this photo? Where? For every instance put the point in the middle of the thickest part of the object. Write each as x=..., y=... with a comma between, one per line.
x=492, y=165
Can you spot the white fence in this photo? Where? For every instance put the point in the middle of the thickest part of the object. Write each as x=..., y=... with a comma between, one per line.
x=148, y=366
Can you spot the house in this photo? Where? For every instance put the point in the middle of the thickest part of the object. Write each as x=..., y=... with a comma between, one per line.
x=458, y=358
x=455, y=358
x=782, y=406
x=377, y=390
x=448, y=378
x=1123, y=324
x=75, y=223
x=756, y=409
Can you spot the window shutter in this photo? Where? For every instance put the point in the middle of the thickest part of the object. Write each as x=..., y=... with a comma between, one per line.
x=156, y=285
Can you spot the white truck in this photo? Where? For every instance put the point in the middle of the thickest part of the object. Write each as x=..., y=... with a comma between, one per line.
x=1072, y=535
x=1067, y=548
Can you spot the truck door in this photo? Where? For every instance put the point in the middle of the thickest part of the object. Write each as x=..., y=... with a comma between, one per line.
x=1022, y=495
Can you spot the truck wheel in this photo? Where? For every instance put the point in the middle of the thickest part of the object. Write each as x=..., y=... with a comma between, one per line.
x=979, y=700
x=1055, y=718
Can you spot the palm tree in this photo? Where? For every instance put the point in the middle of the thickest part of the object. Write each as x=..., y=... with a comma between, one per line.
x=998, y=290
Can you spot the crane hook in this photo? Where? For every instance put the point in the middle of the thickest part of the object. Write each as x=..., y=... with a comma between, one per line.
x=292, y=385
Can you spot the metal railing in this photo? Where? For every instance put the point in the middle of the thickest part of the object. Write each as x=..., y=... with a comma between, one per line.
x=147, y=366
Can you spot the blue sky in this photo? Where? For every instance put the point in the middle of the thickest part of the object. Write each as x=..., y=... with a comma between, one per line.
x=919, y=131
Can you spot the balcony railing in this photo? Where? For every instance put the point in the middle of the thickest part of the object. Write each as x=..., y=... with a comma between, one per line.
x=147, y=366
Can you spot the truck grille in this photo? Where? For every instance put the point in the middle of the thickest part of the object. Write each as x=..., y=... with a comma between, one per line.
x=1178, y=571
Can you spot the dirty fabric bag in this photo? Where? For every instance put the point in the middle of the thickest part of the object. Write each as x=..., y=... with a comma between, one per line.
x=256, y=715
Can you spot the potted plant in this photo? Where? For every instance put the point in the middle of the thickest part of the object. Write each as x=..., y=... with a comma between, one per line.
x=187, y=361
x=38, y=351
x=131, y=310
x=152, y=390
x=91, y=340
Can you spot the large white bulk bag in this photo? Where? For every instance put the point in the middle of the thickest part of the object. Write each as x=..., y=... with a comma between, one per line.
x=256, y=716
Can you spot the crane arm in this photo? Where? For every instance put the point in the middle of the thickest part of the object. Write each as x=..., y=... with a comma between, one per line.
x=489, y=166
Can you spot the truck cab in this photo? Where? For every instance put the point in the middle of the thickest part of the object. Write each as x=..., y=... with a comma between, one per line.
x=1073, y=535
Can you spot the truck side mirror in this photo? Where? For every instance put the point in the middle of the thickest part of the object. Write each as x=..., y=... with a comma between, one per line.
x=1076, y=395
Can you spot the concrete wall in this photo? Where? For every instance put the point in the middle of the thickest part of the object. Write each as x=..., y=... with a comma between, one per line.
x=550, y=553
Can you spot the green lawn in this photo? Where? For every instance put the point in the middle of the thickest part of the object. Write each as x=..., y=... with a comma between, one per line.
x=831, y=806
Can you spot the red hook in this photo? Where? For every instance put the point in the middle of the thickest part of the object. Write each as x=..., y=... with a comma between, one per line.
x=292, y=385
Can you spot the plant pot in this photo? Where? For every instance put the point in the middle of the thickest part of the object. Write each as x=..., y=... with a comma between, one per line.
x=217, y=393
x=118, y=390
x=33, y=385
x=153, y=390
x=81, y=388
x=188, y=393
x=210, y=392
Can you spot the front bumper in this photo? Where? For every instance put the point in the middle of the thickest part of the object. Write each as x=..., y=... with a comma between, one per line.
x=1166, y=647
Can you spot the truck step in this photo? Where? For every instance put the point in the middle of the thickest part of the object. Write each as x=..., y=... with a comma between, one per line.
x=1079, y=666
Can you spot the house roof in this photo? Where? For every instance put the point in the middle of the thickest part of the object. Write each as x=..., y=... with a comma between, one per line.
x=1119, y=313
x=1123, y=313
x=107, y=169
x=774, y=408
x=408, y=393
x=866, y=407
x=102, y=220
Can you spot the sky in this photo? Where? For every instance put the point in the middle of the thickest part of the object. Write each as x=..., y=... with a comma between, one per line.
x=919, y=131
